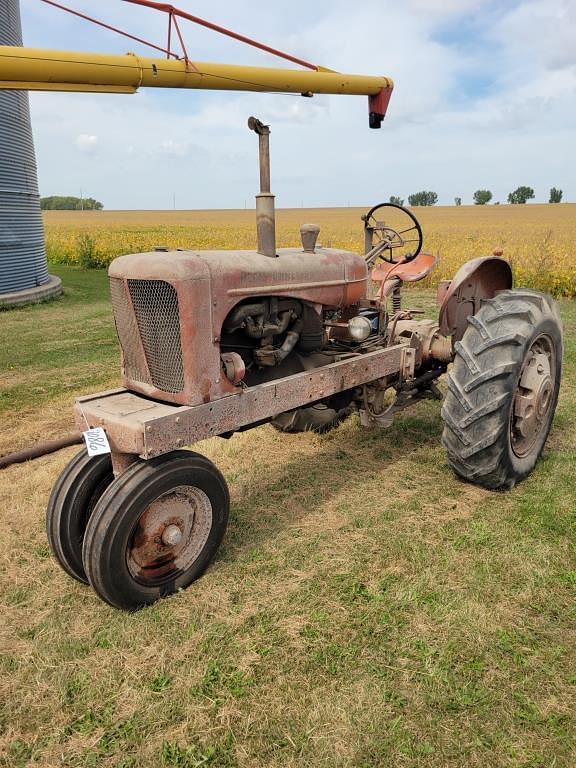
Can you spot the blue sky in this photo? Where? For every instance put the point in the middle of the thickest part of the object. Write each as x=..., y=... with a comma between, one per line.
x=484, y=98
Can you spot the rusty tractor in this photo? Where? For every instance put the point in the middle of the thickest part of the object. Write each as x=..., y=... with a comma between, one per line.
x=215, y=342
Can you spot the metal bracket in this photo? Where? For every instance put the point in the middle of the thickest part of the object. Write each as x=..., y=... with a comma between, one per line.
x=407, y=363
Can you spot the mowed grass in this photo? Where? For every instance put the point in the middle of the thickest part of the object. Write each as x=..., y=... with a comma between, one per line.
x=366, y=609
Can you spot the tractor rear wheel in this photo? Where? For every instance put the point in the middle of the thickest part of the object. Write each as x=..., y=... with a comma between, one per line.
x=503, y=388
x=72, y=501
x=155, y=529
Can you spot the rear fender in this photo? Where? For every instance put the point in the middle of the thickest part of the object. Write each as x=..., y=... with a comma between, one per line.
x=475, y=281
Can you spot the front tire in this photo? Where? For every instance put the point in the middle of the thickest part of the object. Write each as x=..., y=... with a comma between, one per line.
x=155, y=529
x=72, y=501
x=503, y=388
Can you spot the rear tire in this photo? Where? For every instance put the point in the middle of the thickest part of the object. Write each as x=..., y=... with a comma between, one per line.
x=503, y=388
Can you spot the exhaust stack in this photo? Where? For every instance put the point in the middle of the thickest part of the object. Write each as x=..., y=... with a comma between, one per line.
x=265, y=213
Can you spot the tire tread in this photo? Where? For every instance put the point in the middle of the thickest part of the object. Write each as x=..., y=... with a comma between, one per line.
x=482, y=382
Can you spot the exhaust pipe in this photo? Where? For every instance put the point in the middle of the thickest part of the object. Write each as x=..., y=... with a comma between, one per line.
x=265, y=213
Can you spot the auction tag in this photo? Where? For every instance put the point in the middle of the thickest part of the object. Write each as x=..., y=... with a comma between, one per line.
x=96, y=441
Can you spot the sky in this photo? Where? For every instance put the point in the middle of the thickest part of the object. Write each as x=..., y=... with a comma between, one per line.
x=484, y=98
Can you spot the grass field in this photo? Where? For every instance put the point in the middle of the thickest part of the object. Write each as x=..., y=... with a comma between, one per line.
x=538, y=240
x=366, y=610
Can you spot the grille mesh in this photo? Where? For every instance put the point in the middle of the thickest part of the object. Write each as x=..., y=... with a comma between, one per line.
x=156, y=308
x=127, y=331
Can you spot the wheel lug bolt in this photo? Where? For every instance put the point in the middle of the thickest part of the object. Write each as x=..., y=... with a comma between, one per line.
x=172, y=535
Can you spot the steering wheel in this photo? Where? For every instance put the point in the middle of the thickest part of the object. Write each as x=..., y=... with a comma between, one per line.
x=397, y=229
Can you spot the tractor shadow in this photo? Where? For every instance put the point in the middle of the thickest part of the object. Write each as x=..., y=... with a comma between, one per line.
x=265, y=502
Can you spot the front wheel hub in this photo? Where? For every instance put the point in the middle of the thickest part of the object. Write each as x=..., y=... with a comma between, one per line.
x=170, y=535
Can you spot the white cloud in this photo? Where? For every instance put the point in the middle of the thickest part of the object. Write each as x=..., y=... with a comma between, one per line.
x=174, y=148
x=445, y=9
x=540, y=33
x=87, y=143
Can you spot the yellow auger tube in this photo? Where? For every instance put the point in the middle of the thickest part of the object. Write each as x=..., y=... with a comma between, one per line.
x=46, y=70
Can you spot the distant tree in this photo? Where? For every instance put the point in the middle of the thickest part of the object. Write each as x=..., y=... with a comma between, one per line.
x=457, y=201
x=555, y=195
x=423, y=198
x=396, y=200
x=68, y=203
x=520, y=195
x=482, y=196
x=94, y=205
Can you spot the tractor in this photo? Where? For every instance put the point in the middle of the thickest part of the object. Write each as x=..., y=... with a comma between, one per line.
x=216, y=342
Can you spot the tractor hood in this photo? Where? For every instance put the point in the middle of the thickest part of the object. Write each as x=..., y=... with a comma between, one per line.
x=326, y=276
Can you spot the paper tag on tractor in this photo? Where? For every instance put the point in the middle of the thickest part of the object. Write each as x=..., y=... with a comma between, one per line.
x=96, y=441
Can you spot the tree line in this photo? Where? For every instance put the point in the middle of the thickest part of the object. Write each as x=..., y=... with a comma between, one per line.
x=68, y=203
x=520, y=196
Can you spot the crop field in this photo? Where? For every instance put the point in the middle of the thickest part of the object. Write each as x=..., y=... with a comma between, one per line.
x=538, y=240
x=366, y=610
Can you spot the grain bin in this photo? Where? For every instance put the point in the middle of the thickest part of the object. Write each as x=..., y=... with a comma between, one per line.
x=23, y=269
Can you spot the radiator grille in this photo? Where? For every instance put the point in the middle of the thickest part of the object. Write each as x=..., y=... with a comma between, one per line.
x=127, y=331
x=152, y=329
x=156, y=308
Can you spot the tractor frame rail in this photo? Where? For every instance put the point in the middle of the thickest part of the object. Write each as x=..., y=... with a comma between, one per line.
x=147, y=428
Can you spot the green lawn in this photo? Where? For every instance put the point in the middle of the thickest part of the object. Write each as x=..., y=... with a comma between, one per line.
x=367, y=609
x=68, y=343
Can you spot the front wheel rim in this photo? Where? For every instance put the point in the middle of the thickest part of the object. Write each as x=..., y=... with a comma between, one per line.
x=534, y=397
x=169, y=536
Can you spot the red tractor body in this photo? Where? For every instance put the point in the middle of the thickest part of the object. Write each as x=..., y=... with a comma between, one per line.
x=216, y=342
x=171, y=308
